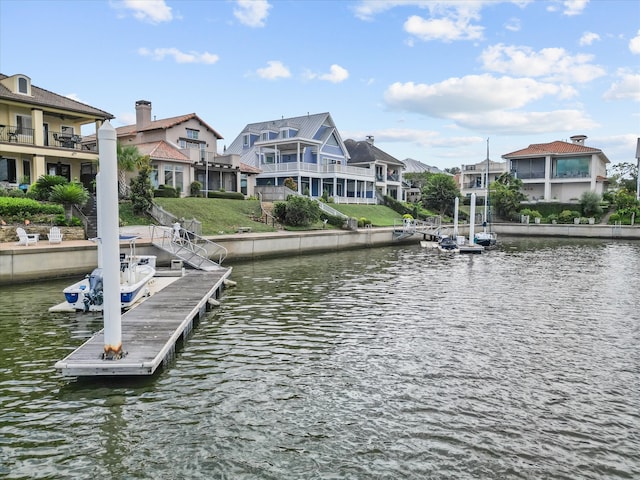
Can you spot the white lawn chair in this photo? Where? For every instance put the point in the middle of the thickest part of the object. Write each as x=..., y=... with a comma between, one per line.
x=27, y=238
x=55, y=235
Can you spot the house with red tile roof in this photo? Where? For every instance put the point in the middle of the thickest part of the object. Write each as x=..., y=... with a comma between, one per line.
x=559, y=171
x=182, y=149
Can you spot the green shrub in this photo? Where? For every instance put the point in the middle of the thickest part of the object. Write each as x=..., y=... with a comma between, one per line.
x=166, y=191
x=229, y=195
x=566, y=216
x=195, y=188
x=334, y=220
x=363, y=221
x=280, y=211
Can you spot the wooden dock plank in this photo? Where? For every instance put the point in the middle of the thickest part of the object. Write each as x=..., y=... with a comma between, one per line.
x=150, y=331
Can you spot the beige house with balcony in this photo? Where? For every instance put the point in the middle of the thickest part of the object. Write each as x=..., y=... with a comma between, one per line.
x=559, y=171
x=41, y=133
x=476, y=177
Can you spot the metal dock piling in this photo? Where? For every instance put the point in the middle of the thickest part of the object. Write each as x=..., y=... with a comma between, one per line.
x=150, y=331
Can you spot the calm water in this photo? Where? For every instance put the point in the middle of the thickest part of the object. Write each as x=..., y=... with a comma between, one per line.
x=387, y=363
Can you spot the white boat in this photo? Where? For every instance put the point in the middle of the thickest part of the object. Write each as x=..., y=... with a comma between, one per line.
x=136, y=271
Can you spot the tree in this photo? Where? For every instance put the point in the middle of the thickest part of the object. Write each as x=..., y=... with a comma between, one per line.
x=440, y=193
x=141, y=188
x=417, y=179
x=128, y=160
x=297, y=211
x=69, y=194
x=42, y=188
x=590, y=203
x=452, y=170
x=624, y=175
x=506, y=195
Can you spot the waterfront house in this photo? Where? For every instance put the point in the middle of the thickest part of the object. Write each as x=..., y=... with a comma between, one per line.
x=308, y=149
x=41, y=133
x=413, y=189
x=473, y=178
x=388, y=170
x=182, y=149
x=559, y=171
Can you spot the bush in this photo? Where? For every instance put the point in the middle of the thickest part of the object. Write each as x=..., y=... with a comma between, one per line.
x=297, y=211
x=195, y=188
x=590, y=202
x=334, y=220
x=567, y=216
x=166, y=191
x=363, y=221
x=229, y=195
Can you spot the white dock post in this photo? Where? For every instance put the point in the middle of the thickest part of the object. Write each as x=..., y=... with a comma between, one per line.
x=109, y=239
x=472, y=219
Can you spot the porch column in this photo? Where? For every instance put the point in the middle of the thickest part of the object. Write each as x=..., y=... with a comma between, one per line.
x=593, y=171
x=38, y=168
x=38, y=126
x=547, y=178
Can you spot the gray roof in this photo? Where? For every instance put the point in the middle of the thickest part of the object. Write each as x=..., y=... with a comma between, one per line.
x=364, y=152
x=44, y=98
x=415, y=166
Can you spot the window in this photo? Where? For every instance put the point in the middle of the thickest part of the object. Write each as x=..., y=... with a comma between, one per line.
x=153, y=176
x=245, y=140
x=23, y=85
x=191, y=133
x=174, y=176
x=8, y=170
x=284, y=133
x=572, y=167
x=24, y=124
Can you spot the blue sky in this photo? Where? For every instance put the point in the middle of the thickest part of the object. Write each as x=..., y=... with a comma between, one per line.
x=430, y=80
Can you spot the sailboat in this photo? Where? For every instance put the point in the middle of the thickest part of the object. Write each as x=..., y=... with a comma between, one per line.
x=486, y=238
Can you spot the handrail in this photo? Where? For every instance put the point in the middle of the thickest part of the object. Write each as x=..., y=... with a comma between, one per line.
x=178, y=240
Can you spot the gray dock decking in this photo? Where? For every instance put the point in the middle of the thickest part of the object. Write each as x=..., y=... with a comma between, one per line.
x=150, y=330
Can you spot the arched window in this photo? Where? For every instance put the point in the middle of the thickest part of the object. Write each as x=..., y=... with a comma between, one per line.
x=23, y=86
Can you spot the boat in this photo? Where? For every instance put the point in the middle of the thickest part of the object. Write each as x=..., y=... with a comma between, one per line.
x=486, y=238
x=136, y=272
x=448, y=244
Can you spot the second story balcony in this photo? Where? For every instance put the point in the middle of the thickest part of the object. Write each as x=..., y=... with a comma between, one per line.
x=26, y=136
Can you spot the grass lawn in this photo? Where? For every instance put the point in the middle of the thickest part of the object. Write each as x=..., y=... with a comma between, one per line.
x=379, y=215
x=220, y=215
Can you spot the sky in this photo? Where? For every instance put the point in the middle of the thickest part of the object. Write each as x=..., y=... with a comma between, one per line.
x=435, y=81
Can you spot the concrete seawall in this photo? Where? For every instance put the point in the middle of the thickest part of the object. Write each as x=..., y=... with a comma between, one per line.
x=77, y=257
x=45, y=261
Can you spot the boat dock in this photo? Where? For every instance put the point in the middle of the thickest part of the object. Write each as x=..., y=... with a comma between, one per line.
x=151, y=330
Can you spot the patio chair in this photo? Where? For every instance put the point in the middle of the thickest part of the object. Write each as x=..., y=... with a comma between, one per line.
x=25, y=238
x=55, y=235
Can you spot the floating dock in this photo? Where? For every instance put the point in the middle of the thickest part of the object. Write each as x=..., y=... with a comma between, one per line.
x=151, y=330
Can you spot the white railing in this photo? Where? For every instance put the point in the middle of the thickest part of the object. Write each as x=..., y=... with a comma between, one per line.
x=185, y=244
x=288, y=167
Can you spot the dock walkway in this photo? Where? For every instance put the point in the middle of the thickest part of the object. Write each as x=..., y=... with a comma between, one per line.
x=150, y=331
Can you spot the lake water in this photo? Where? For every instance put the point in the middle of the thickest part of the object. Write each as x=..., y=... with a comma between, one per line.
x=384, y=363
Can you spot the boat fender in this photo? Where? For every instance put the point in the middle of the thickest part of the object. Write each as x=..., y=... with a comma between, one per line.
x=213, y=302
x=230, y=283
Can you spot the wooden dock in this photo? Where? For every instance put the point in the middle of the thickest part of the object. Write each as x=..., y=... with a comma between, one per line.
x=150, y=330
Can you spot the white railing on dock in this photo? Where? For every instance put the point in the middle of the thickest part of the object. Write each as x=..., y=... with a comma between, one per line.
x=198, y=251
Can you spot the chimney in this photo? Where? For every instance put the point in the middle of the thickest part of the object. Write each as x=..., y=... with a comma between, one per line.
x=578, y=139
x=143, y=114
x=370, y=139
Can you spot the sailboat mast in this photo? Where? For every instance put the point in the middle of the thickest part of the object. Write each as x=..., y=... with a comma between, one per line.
x=486, y=190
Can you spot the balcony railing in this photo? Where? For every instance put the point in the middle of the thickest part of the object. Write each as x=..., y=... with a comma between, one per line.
x=288, y=167
x=25, y=136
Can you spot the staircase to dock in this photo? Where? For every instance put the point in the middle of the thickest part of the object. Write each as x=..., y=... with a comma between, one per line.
x=194, y=250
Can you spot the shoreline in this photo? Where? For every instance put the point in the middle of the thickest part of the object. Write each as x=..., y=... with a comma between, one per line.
x=75, y=257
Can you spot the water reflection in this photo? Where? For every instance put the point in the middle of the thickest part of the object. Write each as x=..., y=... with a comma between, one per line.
x=379, y=363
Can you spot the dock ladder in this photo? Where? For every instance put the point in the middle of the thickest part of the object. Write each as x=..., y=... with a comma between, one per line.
x=189, y=247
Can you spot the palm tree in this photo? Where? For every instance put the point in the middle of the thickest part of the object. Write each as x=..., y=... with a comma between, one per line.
x=128, y=160
x=68, y=195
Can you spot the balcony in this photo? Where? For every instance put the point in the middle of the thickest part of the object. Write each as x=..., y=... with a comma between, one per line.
x=25, y=136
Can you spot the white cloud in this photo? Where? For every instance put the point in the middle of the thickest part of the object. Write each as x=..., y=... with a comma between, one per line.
x=553, y=64
x=628, y=88
x=150, y=11
x=634, y=44
x=252, y=13
x=337, y=74
x=159, y=54
x=588, y=38
x=518, y=122
x=574, y=7
x=473, y=94
x=513, y=25
x=274, y=70
x=445, y=29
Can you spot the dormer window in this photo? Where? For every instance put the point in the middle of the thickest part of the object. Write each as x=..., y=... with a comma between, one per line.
x=23, y=85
